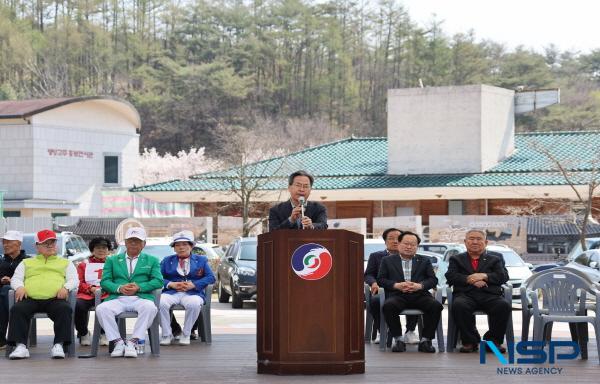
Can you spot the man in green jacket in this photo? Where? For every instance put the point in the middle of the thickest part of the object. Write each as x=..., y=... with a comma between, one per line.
x=129, y=280
x=42, y=284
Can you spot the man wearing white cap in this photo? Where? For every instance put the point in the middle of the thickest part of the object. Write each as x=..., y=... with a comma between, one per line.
x=186, y=275
x=13, y=255
x=42, y=284
x=129, y=280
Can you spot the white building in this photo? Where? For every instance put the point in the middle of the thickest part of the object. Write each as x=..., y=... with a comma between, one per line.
x=57, y=155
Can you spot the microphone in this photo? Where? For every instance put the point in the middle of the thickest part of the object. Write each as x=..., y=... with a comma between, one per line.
x=302, y=204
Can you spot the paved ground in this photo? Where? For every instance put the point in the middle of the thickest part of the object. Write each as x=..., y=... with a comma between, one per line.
x=232, y=359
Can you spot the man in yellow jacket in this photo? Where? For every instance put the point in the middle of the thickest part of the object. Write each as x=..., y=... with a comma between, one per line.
x=42, y=284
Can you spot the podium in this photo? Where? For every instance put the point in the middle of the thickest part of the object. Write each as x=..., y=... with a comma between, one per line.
x=310, y=302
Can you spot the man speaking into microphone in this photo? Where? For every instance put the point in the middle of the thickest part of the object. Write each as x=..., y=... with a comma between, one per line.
x=298, y=213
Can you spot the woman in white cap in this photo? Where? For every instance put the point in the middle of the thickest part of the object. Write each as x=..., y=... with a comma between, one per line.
x=186, y=275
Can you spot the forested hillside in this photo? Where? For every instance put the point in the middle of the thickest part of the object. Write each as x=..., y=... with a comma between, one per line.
x=309, y=70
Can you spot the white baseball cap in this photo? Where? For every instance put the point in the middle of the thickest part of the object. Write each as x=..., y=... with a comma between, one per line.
x=13, y=235
x=183, y=236
x=136, y=232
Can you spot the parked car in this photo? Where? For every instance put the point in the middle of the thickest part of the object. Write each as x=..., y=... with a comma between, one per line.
x=160, y=248
x=236, y=273
x=370, y=246
x=440, y=248
x=518, y=270
x=587, y=262
x=69, y=246
x=590, y=243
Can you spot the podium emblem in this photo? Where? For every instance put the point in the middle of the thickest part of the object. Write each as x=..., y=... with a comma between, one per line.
x=311, y=261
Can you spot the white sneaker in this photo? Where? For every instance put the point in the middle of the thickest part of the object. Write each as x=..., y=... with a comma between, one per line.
x=376, y=341
x=20, y=352
x=85, y=340
x=119, y=349
x=166, y=340
x=130, y=349
x=103, y=340
x=410, y=337
x=184, y=340
x=57, y=351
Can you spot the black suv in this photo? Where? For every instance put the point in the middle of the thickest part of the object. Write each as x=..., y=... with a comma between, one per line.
x=236, y=274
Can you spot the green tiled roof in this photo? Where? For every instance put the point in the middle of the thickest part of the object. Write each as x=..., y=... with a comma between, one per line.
x=357, y=163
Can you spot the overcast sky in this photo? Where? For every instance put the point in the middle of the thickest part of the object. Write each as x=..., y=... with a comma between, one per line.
x=570, y=25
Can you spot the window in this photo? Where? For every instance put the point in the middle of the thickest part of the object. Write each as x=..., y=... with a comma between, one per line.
x=455, y=207
x=12, y=213
x=405, y=211
x=111, y=169
x=58, y=214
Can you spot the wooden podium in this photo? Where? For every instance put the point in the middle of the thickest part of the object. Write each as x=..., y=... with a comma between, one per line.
x=312, y=324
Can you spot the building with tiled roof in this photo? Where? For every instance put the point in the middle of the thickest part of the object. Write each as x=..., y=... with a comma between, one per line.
x=457, y=162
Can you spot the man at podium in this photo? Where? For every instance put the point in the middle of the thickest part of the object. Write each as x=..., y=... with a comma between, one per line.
x=297, y=212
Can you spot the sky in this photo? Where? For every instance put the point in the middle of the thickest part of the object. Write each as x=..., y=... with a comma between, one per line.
x=571, y=25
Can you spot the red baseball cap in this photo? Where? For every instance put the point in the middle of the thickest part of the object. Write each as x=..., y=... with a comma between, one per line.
x=44, y=235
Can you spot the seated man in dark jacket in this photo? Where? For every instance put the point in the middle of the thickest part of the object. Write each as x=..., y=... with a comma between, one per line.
x=476, y=277
x=13, y=255
x=288, y=215
x=407, y=279
x=390, y=236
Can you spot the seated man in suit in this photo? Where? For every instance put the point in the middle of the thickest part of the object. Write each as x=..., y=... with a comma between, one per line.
x=407, y=279
x=129, y=279
x=476, y=277
x=42, y=284
x=390, y=236
x=288, y=215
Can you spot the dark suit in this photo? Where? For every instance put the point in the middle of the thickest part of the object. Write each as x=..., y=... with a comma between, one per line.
x=468, y=298
x=279, y=216
x=391, y=272
x=371, y=277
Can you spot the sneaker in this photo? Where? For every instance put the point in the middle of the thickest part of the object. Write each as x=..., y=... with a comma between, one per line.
x=425, y=346
x=410, y=337
x=119, y=349
x=399, y=346
x=193, y=336
x=130, y=349
x=20, y=352
x=103, y=340
x=376, y=341
x=166, y=340
x=184, y=340
x=57, y=351
x=85, y=340
x=2, y=345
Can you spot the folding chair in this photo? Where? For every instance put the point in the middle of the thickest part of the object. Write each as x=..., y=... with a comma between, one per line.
x=204, y=325
x=383, y=331
x=564, y=300
x=32, y=339
x=153, y=332
x=453, y=329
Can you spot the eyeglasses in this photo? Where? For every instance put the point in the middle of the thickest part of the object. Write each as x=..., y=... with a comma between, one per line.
x=301, y=186
x=48, y=244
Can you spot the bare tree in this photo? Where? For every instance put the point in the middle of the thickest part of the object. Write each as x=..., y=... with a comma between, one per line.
x=576, y=177
x=247, y=153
